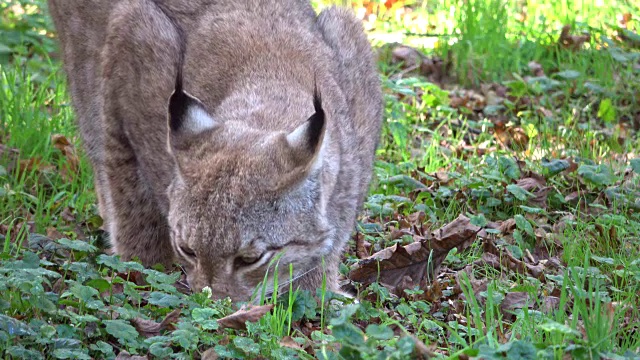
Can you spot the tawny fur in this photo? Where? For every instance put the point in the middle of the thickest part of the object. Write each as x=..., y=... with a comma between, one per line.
x=227, y=184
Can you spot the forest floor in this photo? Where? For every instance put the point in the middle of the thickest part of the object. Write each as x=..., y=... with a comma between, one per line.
x=503, y=220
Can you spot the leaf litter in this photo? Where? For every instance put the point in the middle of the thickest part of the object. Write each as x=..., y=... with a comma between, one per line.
x=404, y=267
x=150, y=328
x=247, y=313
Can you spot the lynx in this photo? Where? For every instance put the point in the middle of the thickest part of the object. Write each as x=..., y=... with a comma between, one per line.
x=228, y=136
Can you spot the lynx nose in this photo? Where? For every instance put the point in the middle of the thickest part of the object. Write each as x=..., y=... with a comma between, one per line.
x=221, y=291
x=220, y=284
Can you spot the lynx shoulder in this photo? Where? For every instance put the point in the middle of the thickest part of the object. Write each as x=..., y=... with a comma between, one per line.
x=225, y=135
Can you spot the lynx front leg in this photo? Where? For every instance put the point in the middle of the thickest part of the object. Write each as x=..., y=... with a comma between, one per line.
x=137, y=226
x=139, y=65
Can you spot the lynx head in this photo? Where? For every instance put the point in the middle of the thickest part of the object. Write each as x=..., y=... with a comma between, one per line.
x=242, y=197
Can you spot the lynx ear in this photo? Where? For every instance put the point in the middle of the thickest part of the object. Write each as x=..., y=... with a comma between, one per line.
x=306, y=141
x=187, y=115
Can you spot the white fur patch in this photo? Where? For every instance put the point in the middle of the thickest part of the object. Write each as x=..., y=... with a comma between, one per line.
x=318, y=161
x=198, y=120
x=298, y=137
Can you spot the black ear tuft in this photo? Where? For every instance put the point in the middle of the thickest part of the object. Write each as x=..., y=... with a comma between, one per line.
x=178, y=106
x=316, y=122
x=187, y=114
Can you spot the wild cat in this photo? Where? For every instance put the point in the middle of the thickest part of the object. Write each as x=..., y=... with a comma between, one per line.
x=225, y=133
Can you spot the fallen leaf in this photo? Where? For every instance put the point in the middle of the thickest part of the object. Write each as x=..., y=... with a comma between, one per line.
x=494, y=256
x=417, y=263
x=550, y=304
x=62, y=144
x=545, y=112
x=478, y=285
x=536, y=69
x=417, y=218
x=535, y=184
x=572, y=198
x=67, y=215
x=33, y=165
x=249, y=313
x=10, y=157
x=572, y=42
x=514, y=301
x=362, y=246
x=421, y=351
x=288, y=341
x=469, y=99
x=150, y=328
x=123, y=355
x=624, y=19
x=210, y=354
x=412, y=60
x=54, y=234
x=511, y=137
x=506, y=227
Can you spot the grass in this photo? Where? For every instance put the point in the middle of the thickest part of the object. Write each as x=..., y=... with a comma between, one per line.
x=515, y=105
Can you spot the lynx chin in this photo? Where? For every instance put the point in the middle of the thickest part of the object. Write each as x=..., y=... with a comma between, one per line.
x=224, y=134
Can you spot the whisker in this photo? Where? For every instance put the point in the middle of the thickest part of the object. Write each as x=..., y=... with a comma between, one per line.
x=269, y=290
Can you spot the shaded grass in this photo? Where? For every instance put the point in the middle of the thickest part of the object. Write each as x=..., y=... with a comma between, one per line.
x=30, y=114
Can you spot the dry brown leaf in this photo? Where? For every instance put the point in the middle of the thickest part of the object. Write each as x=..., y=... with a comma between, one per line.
x=422, y=351
x=458, y=102
x=515, y=300
x=514, y=138
x=67, y=215
x=550, y=304
x=10, y=156
x=413, y=61
x=399, y=267
x=535, y=184
x=477, y=285
x=469, y=99
x=363, y=247
x=572, y=42
x=288, y=341
x=532, y=183
x=494, y=256
x=54, y=234
x=410, y=57
x=62, y=144
x=573, y=166
x=249, y=313
x=417, y=218
x=123, y=355
x=536, y=69
x=150, y=328
x=506, y=227
x=545, y=112
x=572, y=198
x=36, y=164
x=210, y=354
x=624, y=19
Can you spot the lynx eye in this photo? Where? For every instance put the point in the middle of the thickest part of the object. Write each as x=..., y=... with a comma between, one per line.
x=188, y=251
x=243, y=261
